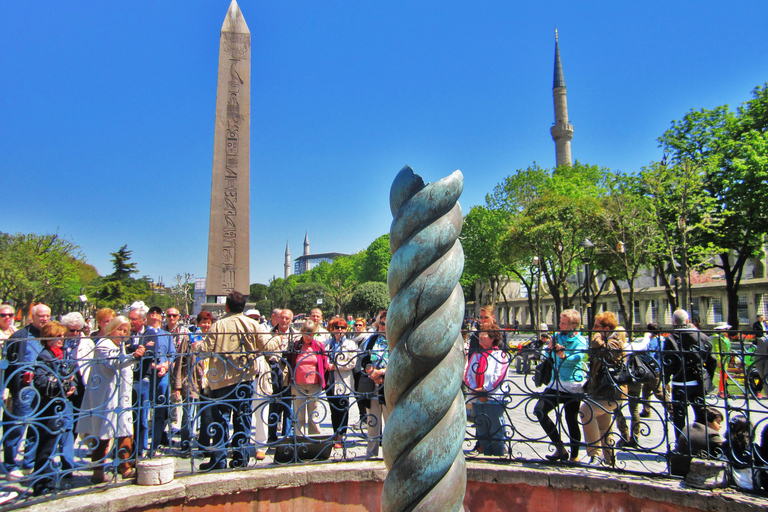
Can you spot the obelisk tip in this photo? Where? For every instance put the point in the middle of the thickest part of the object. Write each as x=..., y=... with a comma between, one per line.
x=234, y=21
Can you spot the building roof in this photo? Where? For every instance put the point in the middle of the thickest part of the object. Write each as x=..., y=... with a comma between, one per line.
x=330, y=255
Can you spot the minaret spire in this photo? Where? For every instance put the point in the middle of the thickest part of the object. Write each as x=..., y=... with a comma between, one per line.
x=562, y=131
x=287, y=265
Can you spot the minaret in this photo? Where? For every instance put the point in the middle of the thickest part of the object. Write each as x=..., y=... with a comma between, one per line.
x=562, y=132
x=306, y=250
x=287, y=261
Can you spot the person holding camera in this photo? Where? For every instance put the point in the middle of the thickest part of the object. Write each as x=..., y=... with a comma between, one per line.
x=56, y=380
x=374, y=354
x=567, y=350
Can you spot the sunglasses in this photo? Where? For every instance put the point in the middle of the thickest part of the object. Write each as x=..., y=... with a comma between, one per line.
x=171, y=315
x=6, y=315
x=74, y=330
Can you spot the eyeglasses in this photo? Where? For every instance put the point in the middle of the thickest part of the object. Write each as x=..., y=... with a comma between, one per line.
x=6, y=315
x=171, y=315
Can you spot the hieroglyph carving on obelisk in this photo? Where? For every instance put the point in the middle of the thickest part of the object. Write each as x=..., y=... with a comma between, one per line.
x=228, y=238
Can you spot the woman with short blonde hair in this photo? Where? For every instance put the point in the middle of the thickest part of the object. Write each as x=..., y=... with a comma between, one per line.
x=308, y=364
x=108, y=398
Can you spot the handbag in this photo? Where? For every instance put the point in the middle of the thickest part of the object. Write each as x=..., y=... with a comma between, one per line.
x=543, y=374
x=637, y=368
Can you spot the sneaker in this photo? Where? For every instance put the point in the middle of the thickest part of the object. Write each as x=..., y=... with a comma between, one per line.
x=16, y=473
x=7, y=496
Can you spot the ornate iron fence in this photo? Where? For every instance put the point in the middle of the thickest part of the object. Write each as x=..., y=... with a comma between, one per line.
x=90, y=417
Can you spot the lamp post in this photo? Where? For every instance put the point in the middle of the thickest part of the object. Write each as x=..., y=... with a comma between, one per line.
x=586, y=245
x=537, y=316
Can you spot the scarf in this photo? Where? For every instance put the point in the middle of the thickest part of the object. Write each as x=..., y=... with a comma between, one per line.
x=57, y=352
x=482, y=366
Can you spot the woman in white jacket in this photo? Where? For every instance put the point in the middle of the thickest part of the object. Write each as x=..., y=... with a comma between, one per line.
x=485, y=372
x=342, y=354
x=106, y=413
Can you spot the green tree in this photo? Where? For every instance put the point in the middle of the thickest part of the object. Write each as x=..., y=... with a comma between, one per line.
x=549, y=225
x=625, y=238
x=304, y=298
x=122, y=269
x=377, y=258
x=257, y=292
x=38, y=268
x=370, y=298
x=279, y=291
x=119, y=289
x=732, y=149
x=682, y=213
x=481, y=236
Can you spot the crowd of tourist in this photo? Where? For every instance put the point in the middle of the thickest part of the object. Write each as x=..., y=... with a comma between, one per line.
x=591, y=375
x=225, y=390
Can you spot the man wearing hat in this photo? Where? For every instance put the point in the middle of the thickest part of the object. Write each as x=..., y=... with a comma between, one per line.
x=254, y=313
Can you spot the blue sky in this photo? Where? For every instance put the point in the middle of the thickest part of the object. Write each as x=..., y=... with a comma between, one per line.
x=107, y=109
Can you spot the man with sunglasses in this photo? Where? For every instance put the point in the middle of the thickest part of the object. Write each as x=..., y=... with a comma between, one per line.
x=181, y=339
x=21, y=351
x=6, y=322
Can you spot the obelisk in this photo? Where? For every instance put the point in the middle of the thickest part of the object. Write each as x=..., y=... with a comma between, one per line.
x=228, y=236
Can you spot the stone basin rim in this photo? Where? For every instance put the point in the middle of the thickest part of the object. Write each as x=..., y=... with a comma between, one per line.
x=188, y=489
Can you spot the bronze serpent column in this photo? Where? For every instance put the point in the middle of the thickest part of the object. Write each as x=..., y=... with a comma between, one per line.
x=424, y=433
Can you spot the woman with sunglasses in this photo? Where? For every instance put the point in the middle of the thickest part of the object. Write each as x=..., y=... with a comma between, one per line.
x=603, y=395
x=55, y=380
x=308, y=366
x=342, y=353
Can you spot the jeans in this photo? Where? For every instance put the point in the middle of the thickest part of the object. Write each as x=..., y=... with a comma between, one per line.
x=161, y=400
x=13, y=430
x=141, y=415
x=489, y=421
x=232, y=401
x=57, y=435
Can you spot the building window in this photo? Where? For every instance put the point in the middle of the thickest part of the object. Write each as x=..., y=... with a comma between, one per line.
x=636, y=314
x=716, y=308
x=653, y=310
x=667, y=312
x=743, y=310
x=695, y=311
x=760, y=304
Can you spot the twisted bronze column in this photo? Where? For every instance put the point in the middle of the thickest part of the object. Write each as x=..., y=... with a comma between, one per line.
x=425, y=430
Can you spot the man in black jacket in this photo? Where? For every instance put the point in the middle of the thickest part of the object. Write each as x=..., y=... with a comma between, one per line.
x=759, y=326
x=688, y=365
